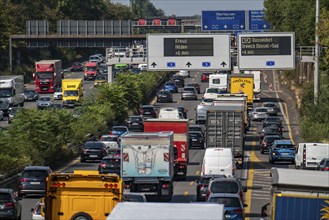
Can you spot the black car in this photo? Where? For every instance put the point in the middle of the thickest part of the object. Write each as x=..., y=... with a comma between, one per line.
x=183, y=111
x=273, y=124
x=195, y=85
x=202, y=185
x=268, y=131
x=164, y=96
x=135, y=123
x=179, y=81
x=195, y=127
x=76, y=66
x=196, y=139
x=93, y=150
x=58, y=106
x=33, y=180
x=272, y=119
x=148, y=111
x=10, y=207
x=267, y=142
x=110, y=164
x=30, y=95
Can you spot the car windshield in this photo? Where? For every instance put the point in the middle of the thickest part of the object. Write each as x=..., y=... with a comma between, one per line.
x=170, y=84
x=45, y=75
x=94, y=145
x=120, y=129
x=29, y=92
x=189, y=90
x=195, y=134
x=206, y=74
x=224, y=187
x=5, y=197
x=208, y=100
x=148, y=108
x=212, y=90
x=71, y=93
x=260, y=110
x=115, y=139
x=271, y=139
x=270, y=130
x=193, y=84
x=282, y=146
x=135, y=118
x=44, y=99
x=227, y=201
x=268, y=120
x=271, y=105
x=34, y=173
x=163, y=92
x=4, y=93
x=91, y=68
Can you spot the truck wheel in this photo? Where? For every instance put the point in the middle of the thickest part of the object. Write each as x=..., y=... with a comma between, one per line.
x=22, y=104
x=81, y=216
x=82, y=160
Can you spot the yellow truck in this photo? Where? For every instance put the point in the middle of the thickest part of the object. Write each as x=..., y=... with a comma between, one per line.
x=243, y=84
x=72, y=92
x=83, y=194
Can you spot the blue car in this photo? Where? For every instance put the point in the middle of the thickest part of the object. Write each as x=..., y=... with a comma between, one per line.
x=119, y=130
x=234, y=207
x=171, y=86
x=282, y=150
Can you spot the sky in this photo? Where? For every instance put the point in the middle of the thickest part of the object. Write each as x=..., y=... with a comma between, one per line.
x=194, y=7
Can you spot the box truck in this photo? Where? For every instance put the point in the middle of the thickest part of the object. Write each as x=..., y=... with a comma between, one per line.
x=147, y=164
x=180, y=128
x=243, y=84
x=72, y=92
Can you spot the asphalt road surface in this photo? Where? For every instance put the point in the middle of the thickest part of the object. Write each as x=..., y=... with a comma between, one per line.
x=255, y=172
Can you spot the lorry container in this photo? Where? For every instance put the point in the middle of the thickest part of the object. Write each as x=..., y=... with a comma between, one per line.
x=219, y=81
x=47, y=75
x=243, y=84
x=298, y=195
x=234, y=99
x=84, y=194
x=257, y=83
x=147, y=164
x=180, y=128
x=90, y=70
x=11, y=92
x=166, y=211
x=309, y=155
x=225, y=128
x=72, y=92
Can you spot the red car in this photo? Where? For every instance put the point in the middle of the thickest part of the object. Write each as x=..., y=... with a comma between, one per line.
x=205, y=77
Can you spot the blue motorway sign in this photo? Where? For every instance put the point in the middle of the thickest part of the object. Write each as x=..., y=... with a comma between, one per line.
x=223, y=20
x=257, y=20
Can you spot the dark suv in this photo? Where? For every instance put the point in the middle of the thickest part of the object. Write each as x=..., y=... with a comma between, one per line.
x=202, y=185
x=164, y=96
x=93, y=150
x=135, y=122
x=148, y=111
x=33, y=180
x=10, y=207
x=110, y=164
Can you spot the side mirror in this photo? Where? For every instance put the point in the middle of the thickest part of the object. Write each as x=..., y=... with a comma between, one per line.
x=245, y=189
x=245, y=205
x=32, y=210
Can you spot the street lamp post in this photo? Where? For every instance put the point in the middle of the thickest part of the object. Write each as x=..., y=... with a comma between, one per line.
x=316, y=65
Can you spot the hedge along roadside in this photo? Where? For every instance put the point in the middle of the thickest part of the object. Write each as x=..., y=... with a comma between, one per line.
x=41, y=137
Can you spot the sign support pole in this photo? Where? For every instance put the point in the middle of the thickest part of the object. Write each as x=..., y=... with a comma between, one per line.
x=316, y=64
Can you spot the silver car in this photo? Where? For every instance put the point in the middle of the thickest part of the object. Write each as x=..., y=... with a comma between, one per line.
x=44, y=102
x=189, y=92
x=259, y=113
x=272, y=108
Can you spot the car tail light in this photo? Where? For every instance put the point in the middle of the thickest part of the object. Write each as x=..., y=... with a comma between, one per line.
x=165, y=185
x=9, y=205
x=325, y=169
x=111, y=132
x=237, y=210
x=111, y=185
x=57, y=184
x=201, y=186
x=23, y=180
x=265, y=143
x=126, y=186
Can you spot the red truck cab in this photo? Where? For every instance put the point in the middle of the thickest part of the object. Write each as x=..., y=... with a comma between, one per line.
x=180, y=127
x=47, y=75
x=90, y=70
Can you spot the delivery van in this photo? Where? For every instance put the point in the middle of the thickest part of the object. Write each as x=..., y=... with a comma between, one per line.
x=170, y=113
x=218, y=81
x=218, y=161
x=309, y=155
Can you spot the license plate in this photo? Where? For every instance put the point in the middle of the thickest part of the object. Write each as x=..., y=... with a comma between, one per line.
x=135, y=123
x=92, y=155
x=44, y=88
x=180, y=173
x=194, y=139
x=147, y=113
x=285, y=154
x=35, y=183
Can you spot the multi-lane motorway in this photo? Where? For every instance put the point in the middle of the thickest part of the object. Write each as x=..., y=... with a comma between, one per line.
x=255, y=172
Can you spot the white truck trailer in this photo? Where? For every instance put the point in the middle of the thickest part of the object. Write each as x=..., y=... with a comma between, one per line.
x=12, y=90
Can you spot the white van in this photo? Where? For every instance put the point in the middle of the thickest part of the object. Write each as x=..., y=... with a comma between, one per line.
x=169, y=112
x=218, y=81
x=142, y=67
x=309, y=155
x=218, y=161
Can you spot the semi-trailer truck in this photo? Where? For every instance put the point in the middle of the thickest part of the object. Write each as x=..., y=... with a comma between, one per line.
x=180, y=128
x=147, y=164
x=84, y=194
x=225, y=128
x=47, y=75
x=11, y=92
x=298, y=194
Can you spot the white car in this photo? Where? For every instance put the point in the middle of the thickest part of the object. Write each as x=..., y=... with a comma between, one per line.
x=211, y=93
x=95, y=58
x=111, y=142
x=58, y=94
x=184, y=73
